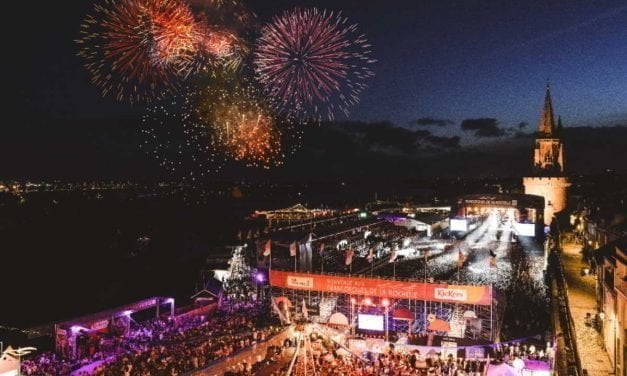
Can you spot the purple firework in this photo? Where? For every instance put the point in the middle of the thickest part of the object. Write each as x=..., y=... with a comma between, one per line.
x=312, y=63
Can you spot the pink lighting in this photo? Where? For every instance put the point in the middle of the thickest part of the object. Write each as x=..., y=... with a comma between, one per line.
x=385, y=303
x=367, y=301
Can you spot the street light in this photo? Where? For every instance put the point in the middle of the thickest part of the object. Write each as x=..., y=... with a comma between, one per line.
x=386, y=304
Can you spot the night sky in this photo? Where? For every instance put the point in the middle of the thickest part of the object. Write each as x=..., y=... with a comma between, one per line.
x=444, y=60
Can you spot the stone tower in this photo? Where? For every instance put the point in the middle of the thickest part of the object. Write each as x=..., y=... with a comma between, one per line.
x=548, y=178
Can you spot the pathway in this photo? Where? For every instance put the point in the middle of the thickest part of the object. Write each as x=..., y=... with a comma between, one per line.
x=582, y=300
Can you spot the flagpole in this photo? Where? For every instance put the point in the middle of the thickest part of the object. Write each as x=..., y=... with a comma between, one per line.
x=425, y=284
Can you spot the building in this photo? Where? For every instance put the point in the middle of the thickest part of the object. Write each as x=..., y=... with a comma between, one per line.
x=525, y=211
x=612, y=294
x=428, y=223
x=294, y=214
x=548, y=178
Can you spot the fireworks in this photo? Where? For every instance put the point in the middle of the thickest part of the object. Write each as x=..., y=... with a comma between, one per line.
x=225, y=49
x=230, y=24
x=138, y=49
x=311, y=64
x=176, y=141
x=241, y=126
x=194, y=134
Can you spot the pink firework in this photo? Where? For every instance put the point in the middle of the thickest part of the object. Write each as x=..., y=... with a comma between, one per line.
x=311, y=63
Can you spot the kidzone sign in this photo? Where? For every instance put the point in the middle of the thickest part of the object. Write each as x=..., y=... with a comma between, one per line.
x=480, y=295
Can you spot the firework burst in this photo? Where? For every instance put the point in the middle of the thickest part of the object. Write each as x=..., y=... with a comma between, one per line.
x=230, y=24
x=311, y=64
x=241, y=126
x=138, y=49
x=176, y=141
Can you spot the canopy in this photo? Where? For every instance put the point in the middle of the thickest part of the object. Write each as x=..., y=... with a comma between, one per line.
x=403, y=314
x=9, y=365
x=338, y=318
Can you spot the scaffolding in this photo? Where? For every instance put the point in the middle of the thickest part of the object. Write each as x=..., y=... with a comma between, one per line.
x=476, y=322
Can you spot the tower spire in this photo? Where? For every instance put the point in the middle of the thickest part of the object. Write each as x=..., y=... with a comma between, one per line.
x=547, y=121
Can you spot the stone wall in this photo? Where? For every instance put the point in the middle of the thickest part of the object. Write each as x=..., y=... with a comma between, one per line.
x=554, y=191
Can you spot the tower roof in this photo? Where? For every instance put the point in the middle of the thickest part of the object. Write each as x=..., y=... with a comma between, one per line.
x=547, y=121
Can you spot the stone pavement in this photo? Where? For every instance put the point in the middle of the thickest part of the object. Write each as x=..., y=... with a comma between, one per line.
x=582, y=299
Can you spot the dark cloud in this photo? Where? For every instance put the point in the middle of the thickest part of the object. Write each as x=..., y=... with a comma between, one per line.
x=520, y=134
x=523, y=125
x=483, y=127
x=444, y=142
x=388, y=135
x=428, y=121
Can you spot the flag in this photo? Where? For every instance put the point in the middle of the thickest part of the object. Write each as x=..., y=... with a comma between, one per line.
x=426, y=251
x=370, y=255
x=263, y=247
x=460, y=258
x=321, y=247
x=293, y=249
x=239, y=235
x=276, y=308
x=267, y=248
x=492, y=259
x=349, y=256
x=393, y=253
x=305, y=312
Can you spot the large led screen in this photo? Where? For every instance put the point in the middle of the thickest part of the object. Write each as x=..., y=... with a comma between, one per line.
x=458, y=225
x=370, y=322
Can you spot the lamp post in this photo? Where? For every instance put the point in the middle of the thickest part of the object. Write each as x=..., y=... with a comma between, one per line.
x=386, y=304
x=352, y=326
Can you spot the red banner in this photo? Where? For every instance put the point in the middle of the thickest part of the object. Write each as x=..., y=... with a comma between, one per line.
x=383, y=288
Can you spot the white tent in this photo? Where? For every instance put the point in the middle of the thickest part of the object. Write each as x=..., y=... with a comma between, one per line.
x=502, y=369
x=9, y=365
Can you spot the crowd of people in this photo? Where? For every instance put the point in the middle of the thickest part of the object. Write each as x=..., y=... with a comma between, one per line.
x=170, y=347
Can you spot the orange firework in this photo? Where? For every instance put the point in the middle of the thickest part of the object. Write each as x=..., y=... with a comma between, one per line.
x=250, y=136
x=139, y=49
x=241, y=126
x=224, y=48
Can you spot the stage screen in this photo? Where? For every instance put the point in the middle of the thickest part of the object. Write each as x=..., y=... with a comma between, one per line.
x=370, y=322
x=458, y=225
x=525, y=229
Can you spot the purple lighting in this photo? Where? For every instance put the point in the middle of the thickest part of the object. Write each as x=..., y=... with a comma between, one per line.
x=76, y=328
x=259, y=277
